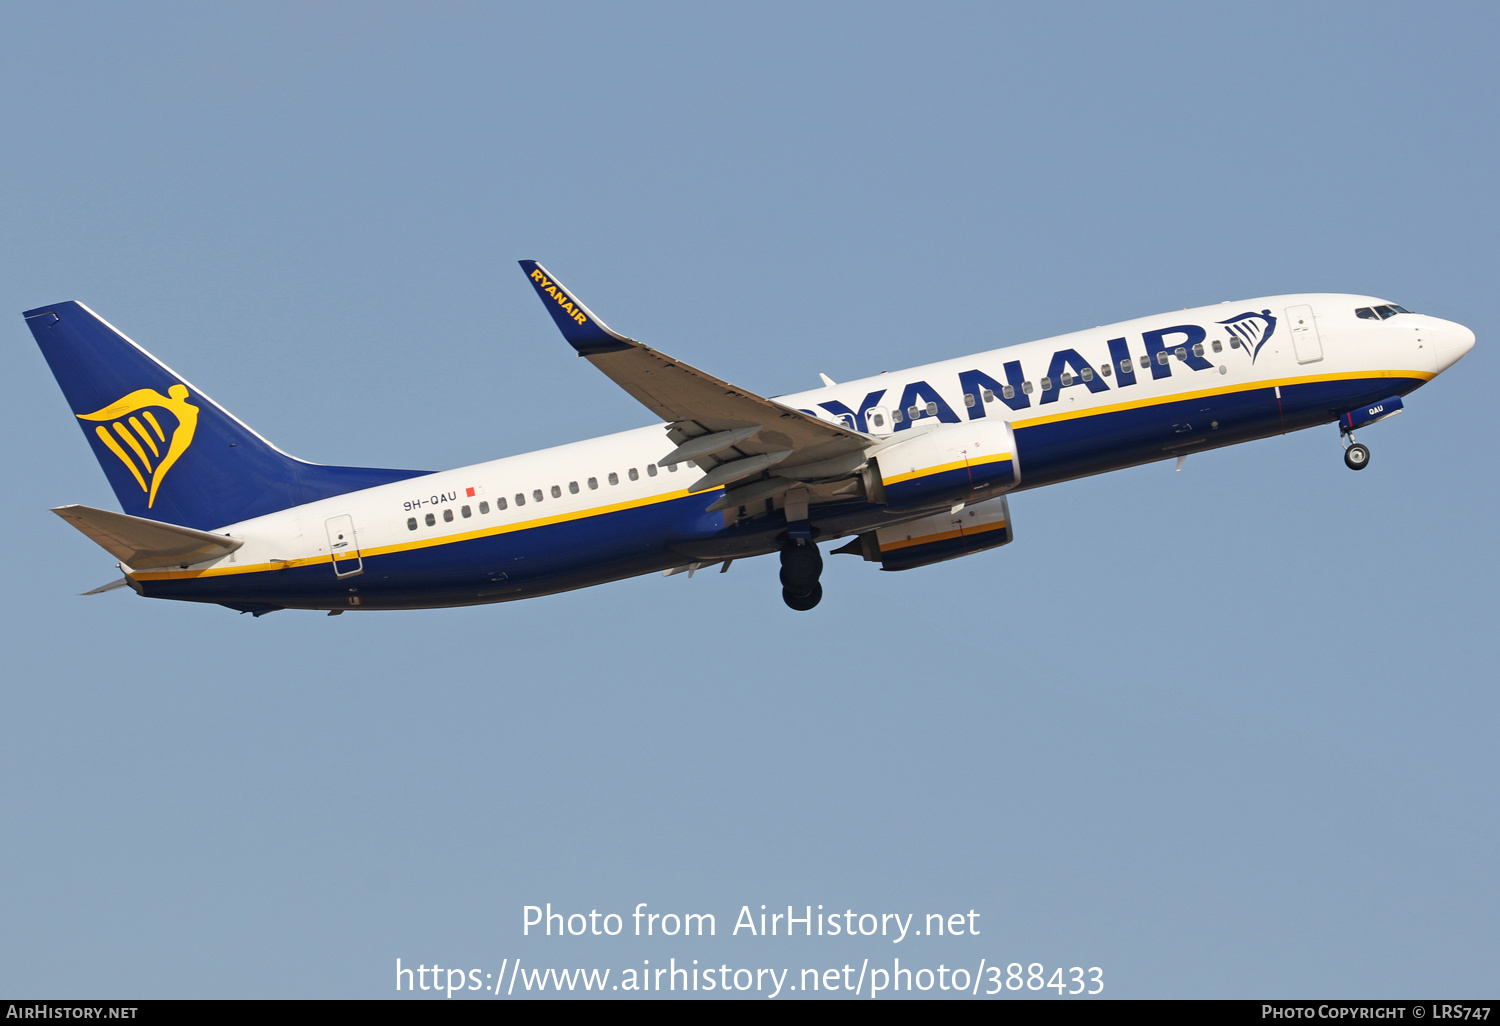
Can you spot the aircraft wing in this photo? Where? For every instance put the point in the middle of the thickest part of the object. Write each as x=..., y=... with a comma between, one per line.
x=143, y=544
x=730, y=432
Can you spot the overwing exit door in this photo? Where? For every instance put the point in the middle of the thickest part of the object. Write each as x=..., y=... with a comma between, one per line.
x=1304, y=329
x=344, y=546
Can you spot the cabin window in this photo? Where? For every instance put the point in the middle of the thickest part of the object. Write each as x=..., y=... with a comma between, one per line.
x=1026, y=387
x=411, y=523
x=672, y=469
x=651, y=470
x=895, y=416
x=1146, y=361
x=484, y=507
x=431, y=520
x=557, y=491
x=465, y=511
x=520, y=498
x=1234, y=343
x=1218, y=346
x=1067, y=378
x=913, y=412
x=1087, y=374
x=877, y=420
x=447, y=516
x=1046, y=384
x=691, y=463
x=968, y=399
x=1197, y=348
x=1180, y=352
x=593, y=483
x=1162, y=357
x=635, y=475
x=932, y=409
x=614, y=478
x=989, y=396
x=1009, y=391
x=572, y=487
x=846, y=420
x=536, y=495
x=500, y=503
x=1104, y=369
x=1125, y=365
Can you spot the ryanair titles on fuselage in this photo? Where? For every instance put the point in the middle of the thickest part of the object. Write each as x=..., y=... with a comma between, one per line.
x=1181, y=343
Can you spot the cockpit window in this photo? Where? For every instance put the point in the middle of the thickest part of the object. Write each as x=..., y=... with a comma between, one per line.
x=1380, y=313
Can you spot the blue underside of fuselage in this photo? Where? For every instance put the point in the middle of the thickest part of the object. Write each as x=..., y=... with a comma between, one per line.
x=612, y=546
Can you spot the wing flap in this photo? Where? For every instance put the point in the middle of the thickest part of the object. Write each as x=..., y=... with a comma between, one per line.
x=143, y=544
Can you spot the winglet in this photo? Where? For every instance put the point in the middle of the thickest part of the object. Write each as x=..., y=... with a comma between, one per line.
x=584, y=332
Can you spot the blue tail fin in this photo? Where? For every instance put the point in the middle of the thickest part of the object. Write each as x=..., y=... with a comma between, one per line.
x=170, y=452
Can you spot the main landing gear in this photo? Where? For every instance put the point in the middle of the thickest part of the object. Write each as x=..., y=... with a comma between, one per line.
x=801, y=565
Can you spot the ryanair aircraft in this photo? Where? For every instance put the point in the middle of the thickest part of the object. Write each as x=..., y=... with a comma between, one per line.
x=912, y=467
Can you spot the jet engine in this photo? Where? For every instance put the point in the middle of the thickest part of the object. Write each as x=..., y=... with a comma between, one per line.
x=945, y=464
x=933, y=539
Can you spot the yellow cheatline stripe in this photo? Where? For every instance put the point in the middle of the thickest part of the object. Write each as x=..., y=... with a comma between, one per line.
x=145, y=437
x=425, y=543
x=960, y=465
x=134, y=445
x=985, y=461
x=1224, y=390
x=928, y=539
x=114, y=447
x=150, y=419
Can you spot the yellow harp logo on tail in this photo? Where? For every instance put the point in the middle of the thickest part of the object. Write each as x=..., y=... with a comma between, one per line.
x=133, y=430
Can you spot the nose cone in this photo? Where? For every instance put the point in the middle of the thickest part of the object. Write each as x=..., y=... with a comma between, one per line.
x=1450, y=343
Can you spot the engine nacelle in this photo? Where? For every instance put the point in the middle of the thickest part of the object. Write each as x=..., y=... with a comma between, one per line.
x=946, y=464
x=933, y=539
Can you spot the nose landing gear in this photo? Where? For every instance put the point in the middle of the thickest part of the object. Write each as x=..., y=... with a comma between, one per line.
x=801, y=565
x=1356, y=455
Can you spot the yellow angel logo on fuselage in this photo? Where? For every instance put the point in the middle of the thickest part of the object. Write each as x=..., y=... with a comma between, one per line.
x=149, y=450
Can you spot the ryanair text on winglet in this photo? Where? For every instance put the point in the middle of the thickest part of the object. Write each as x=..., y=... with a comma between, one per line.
x=558, y=294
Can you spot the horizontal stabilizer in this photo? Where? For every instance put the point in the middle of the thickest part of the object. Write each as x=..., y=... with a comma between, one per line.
x=143, y=544
x=111, y=586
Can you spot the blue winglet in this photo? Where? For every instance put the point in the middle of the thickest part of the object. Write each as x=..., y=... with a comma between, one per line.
x=584, y=332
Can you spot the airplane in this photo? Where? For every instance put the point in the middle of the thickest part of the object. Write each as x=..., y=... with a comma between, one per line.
x=911, y=467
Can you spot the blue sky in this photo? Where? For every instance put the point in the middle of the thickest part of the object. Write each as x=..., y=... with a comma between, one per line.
x=1224, y=732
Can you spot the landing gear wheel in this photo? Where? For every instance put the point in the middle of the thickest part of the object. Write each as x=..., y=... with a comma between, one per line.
x=802, y=602
x=1357, y=457
x=801, y=565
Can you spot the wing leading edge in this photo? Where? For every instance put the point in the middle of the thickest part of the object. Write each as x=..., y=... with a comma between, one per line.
x=730, y=432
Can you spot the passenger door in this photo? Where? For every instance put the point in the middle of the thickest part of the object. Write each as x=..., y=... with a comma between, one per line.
x=344, y=546
x=1304, y=328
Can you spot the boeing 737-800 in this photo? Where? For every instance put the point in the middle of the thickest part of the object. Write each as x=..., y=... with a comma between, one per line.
x=912, y=467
